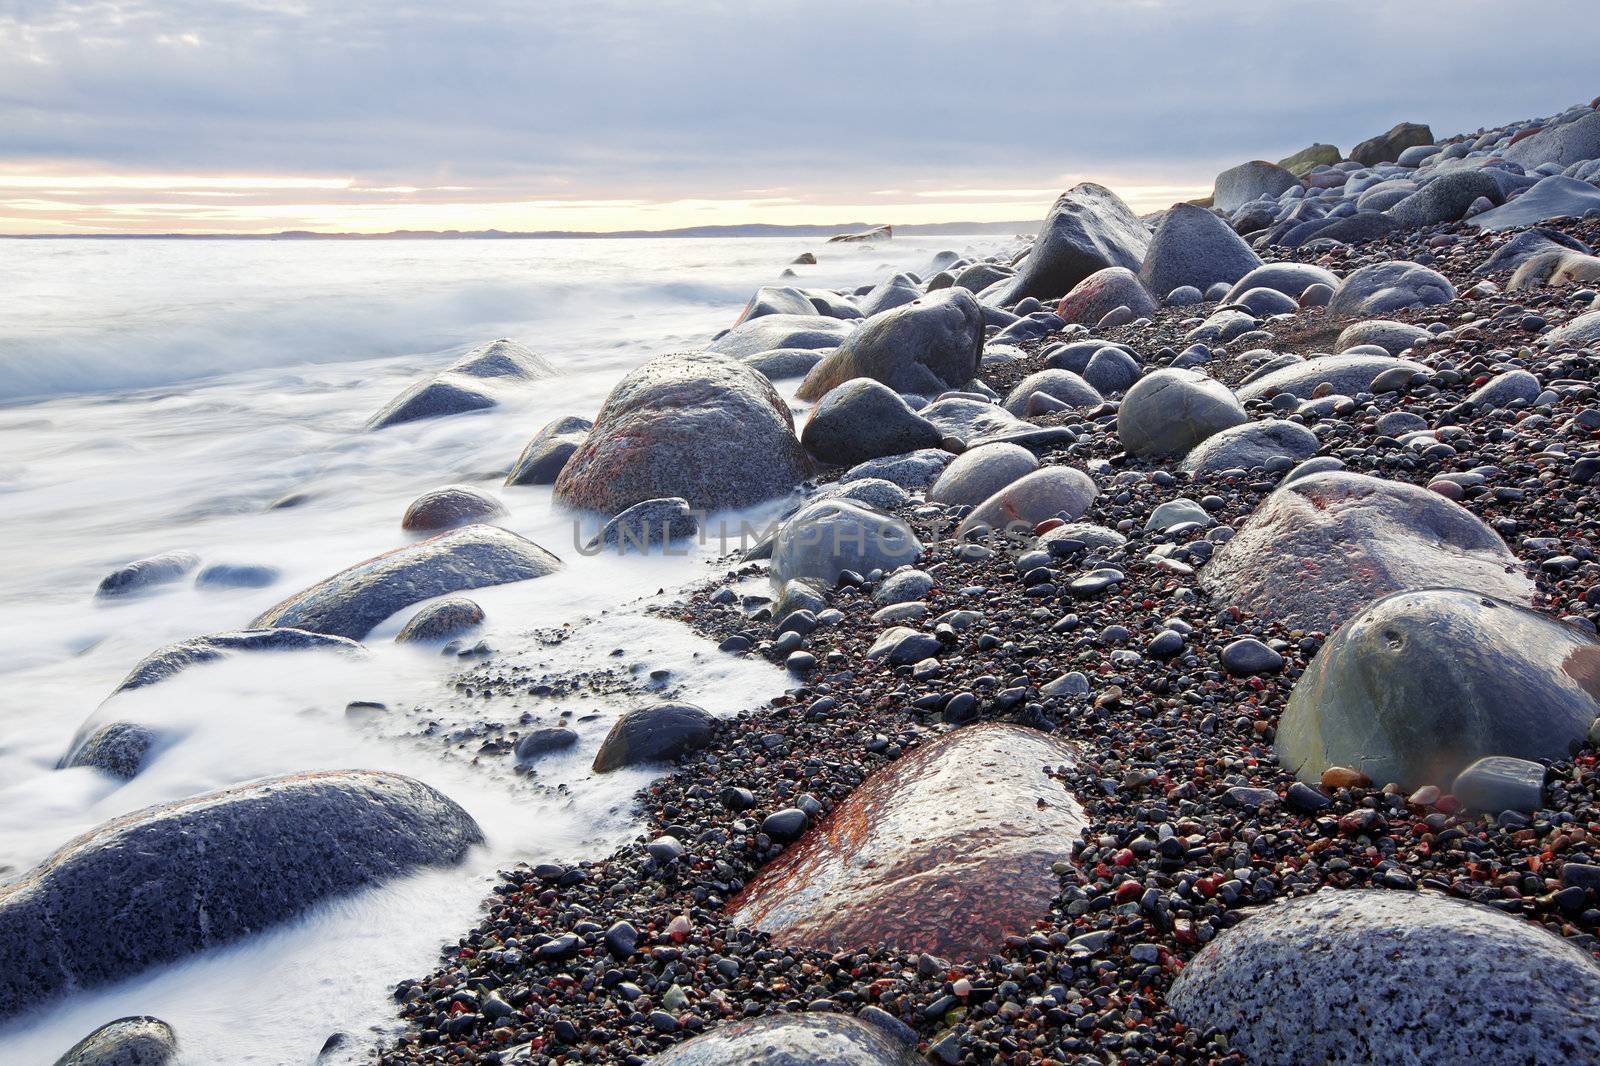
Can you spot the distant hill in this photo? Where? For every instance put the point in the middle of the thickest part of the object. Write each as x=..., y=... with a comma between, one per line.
x=930, y=229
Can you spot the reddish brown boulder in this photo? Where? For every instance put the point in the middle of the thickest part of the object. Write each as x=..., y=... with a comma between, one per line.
x=947, y=851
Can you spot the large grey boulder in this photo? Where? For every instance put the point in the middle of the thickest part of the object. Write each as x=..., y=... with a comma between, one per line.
x=1061, y=385
x=661, y=733
x=139, y=1041
x=1251, y=446
x=544, y=456
x=1528, y=244
x=1348, y=374
x=1192, y=246
x=175, y=658
x=1308, y=159
x=1291, y=279
x=165, y=882
x=1554, y=196
x=1168, y=412
x=975, y=422
x=1384, y=287
x=826, y=538
x=768, y=332
x=480, y=379
x=793, y=1040
x=440, y=621
x=1446, y=198
x=1239, y=185
x=1049, y=492
x=925, y=346
x=1563, y=144
x=1393, y=337
x=1559, y=266
x=777, y=300
x=1103, y=292
x=143, y=574
x=1581, y=332
x=1323, y=546
x=913, y=472
x=980, y=276
x=696, y=425
x=450, y=507
x=1381, y=978
x=1421, y=684
x=646, y=525
x=353, y=601
x=980, y=472
x=1386, y=147
x=1088, y=228
x=864, y=419
x=781, y=363
x=888, y=294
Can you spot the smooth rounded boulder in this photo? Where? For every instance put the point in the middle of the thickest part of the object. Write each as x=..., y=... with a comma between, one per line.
x=1393, y=337
x=1168, y=412
x=1088, y=228
x=544, y=456
x=144, y=574
x=441, y=621
x=450, y=507
x=769, y=332
x=1345, y=374
x=481, y=379
x=657, y=734
x=1554, y=196
x=1581, y=332
x=946, y=851
x=1323, y=546
x=980, y=472
x=826, y=538
x=695, y=425
x=1561, y=266
x=1386, y=147
x=1102, y=292
x=1384, y=287
x=926, y=346
x=1061, y=385
x=1192, y=246
x=135, y=1041
x=174, y=658
x=1446, y=198
x=1250, y=446
x=1421, y=684
x=1383, y=978
x=793, y=1040
x=1291, y=279
x=776, y=300
x=1239, y=185
x=353, y=601
x=1049, y=492
x=163, y=883
x=1563, y=143
x=865, y=419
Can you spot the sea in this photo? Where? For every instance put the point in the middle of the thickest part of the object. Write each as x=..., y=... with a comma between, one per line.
x=161, y=395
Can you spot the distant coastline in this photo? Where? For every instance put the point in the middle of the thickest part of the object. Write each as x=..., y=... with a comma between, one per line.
x=931, y=229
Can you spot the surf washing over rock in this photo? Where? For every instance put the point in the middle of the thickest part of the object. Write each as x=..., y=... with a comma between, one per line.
x=1154, y=639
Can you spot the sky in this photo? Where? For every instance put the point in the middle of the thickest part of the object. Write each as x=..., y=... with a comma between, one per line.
x=374, y=115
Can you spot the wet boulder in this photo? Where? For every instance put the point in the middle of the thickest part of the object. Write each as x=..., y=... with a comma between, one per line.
x=980, y=472
x=1251, y=446
x=826, y=538
x=1240, y=185
x=946, y=851
x=793, y=1040
x=782, y=363
x=915, y=471
x=1049, y=492
x=1102, y=292
x=1192, y=246
x=888, y=294
x=864, y=419
x=647, y=525
x=1386, y=147
x=163, y=883
x=776, y=300
x=1168, y=412
x=925, y=346
x=118, y=748
x=975, y=422
x=1088, y=228
x=449, y=508
x=1347, y=374
x=481, y=379
x=236, y=576
x=1421, y=684
x=696, y=425
x=658, y=734
x=175, y=658
x=547, y=453
x=138, y=1041
x=441, y=621
x=144, y=574
x=1384, y=287
x=1323, y=546
x=353, y=601
x=769, y=332
x=1392, y=979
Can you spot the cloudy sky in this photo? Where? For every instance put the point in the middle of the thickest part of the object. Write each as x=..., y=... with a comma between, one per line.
x=232, y=115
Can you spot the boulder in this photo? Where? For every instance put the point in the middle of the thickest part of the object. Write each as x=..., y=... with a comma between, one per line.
x=1393, y=337
x=876, y=233
x=236, y=576
x=662, y=733
x=975, y=422
x=118, y=748
x=1361, y=226
x=889, y=294
x=980, y=472
x=1240, y=185
x=914, y=472
x=1291, y=279
x=1392, y=979
x=1564, y=144
x=1421, y=684
x=1581, y=332
x=946, y=851
x=648, y=524
x=1524, y=246
x=776, y=300
x=1251, y=446
x=926, y=346
x=793, y=1040
x=1088, y=228
x=695, y=425
x=1555, y=196
x=873, y=492
x=1347, y=374
x=824, y=539
x=1446, y=198
x=441, y=621
x=980, y=276
x=1111, y=370
x=1386, y=147
x=140, y=1041
x=547, y=453
x=1320, y=548
x=353, y=601
x=1103, y=292
x=1308, y=159
x=144, y=574
x=175, y=658
x=1192, y=246
x=864, y=419
x=1063, y=385
x=1049, y=492
x=770, y=332
x=1507, y=388
x=165, y=882
x=781, y=363
x=1561, y=266
x=1498, y=783
x=1168, y=412
x=1384, y=287
x=449, y=508
x=480, y=379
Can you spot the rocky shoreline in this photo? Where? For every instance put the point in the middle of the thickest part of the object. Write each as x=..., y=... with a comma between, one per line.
x=1126, y=700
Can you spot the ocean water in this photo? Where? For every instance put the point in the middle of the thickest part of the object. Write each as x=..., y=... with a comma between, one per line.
x=162, y=395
